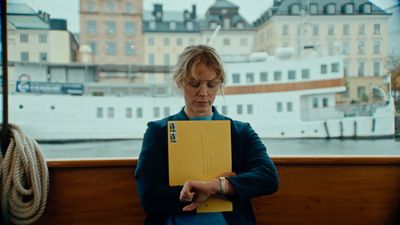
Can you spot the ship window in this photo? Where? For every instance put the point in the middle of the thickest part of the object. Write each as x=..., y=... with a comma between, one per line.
x=295, y=9
x=224, y=109
x=249, y=109
x=128, y=112
x=52, y=107
x=330, y=9
x=305, y=73
x=227, y=41
x=99, y=112
x=324, y=69
x=239, y=109
x=289, y=106
x=235, y=78
x=249, y=77
x=21, y=106
x=279, y=107
x=110, y=112
x=325, y=102
x=156, y=112
x=348, y=8
x=166, y=111
x=315, y=102
x=313, y=8
x=335, y=67
x=291, y=75
x=139, y=112
x=263, y=76
x=277, y=75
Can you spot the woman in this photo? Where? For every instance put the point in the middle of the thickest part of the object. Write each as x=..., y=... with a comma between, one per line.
x=199, y=74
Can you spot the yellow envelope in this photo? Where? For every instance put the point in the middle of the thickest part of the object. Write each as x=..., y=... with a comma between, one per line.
x=200, y=150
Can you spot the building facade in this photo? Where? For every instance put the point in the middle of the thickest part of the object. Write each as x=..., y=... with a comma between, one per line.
x=357, y=30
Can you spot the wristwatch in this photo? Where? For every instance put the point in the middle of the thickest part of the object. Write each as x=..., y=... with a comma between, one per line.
x=222, y=185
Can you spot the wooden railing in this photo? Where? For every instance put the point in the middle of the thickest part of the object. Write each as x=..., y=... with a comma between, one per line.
x=313, y=190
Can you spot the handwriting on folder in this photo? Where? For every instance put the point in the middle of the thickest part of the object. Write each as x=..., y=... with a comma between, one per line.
x=200, y=150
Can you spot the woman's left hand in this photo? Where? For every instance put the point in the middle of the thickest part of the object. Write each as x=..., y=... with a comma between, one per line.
x=197, y=192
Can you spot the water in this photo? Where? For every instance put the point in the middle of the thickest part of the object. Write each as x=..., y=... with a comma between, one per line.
x=275, y=147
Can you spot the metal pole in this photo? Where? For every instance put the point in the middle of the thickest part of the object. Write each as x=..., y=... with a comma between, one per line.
x=5, y=131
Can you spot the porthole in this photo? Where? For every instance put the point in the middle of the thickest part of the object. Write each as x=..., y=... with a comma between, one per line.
x=21, y=106
x=52, y=107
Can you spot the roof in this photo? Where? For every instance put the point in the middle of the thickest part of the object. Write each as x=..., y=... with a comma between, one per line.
x=19, y=8
x=223, y=4
x=22, y=16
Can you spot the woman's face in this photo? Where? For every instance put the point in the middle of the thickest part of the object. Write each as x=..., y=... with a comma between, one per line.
x=199, y=90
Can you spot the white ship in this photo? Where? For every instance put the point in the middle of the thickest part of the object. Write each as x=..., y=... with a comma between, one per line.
x=292, y=98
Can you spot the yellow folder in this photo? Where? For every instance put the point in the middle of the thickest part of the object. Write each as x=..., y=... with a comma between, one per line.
x=200, y=150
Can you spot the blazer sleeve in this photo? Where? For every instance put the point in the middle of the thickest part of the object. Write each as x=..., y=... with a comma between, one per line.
x=151, y=175
x=258, y=175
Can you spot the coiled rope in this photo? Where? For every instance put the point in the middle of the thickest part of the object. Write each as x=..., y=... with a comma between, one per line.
x=24, y=179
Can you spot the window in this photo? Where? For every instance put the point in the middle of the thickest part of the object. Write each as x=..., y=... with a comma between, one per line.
x=99, y=112
x=361, y=47
x=166, y=111
x=289, y=106
x=172, y=25
x=346, y=67
x=330, y=9
x=366, y=8
x=24, y=56
x=335, y=67
x=361, y=29
x=360, y=92
x=111, y=48
x=346, y=47
x=315, y=30
x=377, y=47
x=166, y=41
x=279, y=107
x=349, y=8
x=152, y=58
x=377, y=69
x=291, y=75
x=128, y=112
x=377, y=29
x=331, y=29
x=42, y=38
x=263, y=76
x=166, y=59
x=90, y=6
x=243, y=41
x=110, y=6
x=313, y=8
x=295, y=9
x=226, y=41
x=285, y=30
x=129, y=48
x=129, y=28
x=110, y=27
x=156, y=112
x=150, y=41
x=42, y=57
x=346, y=29
x=110, y=112
x=249, y=77
x=239, y=109
x=152, y=25
x=305, y=73
x=139, y=112
x=277, y=75
x=361, y=69
x=129, y=8
x=191, y=41
x=179, y=41
x=224, y=110
x=235, y=78
x=91, y=27
x=324, y=69
x=189, y=25
x=249, y=109
x=325, y=102
x=23, y=38
x=315, y=102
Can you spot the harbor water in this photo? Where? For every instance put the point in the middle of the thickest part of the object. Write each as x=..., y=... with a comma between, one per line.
x=275, y=147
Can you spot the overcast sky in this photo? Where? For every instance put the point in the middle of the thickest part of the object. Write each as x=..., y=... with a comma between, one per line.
x=69, y=9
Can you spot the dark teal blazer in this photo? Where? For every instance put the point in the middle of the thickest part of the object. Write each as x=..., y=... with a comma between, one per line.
x=256, y=173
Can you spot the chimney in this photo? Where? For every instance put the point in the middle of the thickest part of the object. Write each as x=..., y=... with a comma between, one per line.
x=158, y=12
x=194, y=14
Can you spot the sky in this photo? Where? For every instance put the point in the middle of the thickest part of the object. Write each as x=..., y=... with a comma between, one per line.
x=69, y=9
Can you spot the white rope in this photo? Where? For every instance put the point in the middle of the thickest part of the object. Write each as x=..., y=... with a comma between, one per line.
x=24, y=179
